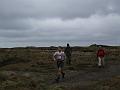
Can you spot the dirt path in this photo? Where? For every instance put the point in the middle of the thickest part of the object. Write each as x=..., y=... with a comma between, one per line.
x=90, y=76
x=83, y=76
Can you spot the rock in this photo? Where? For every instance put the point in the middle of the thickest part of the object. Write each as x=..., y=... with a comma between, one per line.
x=27, y=75
x=9, y=75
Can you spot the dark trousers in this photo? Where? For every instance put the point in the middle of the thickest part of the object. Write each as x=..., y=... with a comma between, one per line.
x=68, y=59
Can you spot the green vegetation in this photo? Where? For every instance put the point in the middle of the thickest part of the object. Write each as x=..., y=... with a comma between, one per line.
x=33, y=68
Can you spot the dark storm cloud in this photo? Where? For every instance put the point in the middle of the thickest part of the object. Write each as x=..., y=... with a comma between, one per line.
x=33, y=21
x=56, y=8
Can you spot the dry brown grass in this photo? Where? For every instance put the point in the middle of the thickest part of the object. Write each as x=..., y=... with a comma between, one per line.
x=40, y=68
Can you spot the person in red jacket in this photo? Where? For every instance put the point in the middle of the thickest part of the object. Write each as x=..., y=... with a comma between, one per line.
x=101, y=55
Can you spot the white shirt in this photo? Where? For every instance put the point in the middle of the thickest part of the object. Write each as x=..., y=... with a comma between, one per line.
x=59, y=56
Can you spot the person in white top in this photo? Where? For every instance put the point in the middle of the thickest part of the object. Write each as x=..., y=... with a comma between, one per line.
x=59, y=57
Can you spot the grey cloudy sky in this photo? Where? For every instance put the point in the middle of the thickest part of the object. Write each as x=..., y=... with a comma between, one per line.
x=57, y=22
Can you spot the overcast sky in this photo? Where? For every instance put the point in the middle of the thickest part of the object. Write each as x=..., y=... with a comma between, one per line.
x=57, y=22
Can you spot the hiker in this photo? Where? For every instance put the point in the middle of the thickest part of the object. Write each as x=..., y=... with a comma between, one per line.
x=68, y=52
x=100, y=56
x=59, y=57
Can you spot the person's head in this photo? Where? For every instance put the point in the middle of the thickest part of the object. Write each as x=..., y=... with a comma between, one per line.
x=59, y=48
x=100, y=47
x=68, y=45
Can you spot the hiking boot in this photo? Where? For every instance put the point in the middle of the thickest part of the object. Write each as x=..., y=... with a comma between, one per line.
x=99, y=66
x=57, y=79
x=63, y=75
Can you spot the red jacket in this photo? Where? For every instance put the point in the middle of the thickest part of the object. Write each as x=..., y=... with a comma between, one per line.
x=101, y=53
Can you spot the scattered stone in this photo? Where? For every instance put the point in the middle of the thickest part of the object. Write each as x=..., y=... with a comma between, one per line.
x=27, y=75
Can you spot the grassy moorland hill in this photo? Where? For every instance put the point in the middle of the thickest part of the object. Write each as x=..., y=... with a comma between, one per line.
x=33, y=68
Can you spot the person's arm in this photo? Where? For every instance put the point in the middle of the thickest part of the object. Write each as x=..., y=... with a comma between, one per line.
x=70, y=50
x=104, y=52
x=97, y=53
x=54, y=56
x=64, y=56
x=65, y=50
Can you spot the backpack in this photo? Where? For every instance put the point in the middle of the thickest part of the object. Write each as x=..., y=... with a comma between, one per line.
x=101, y=53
